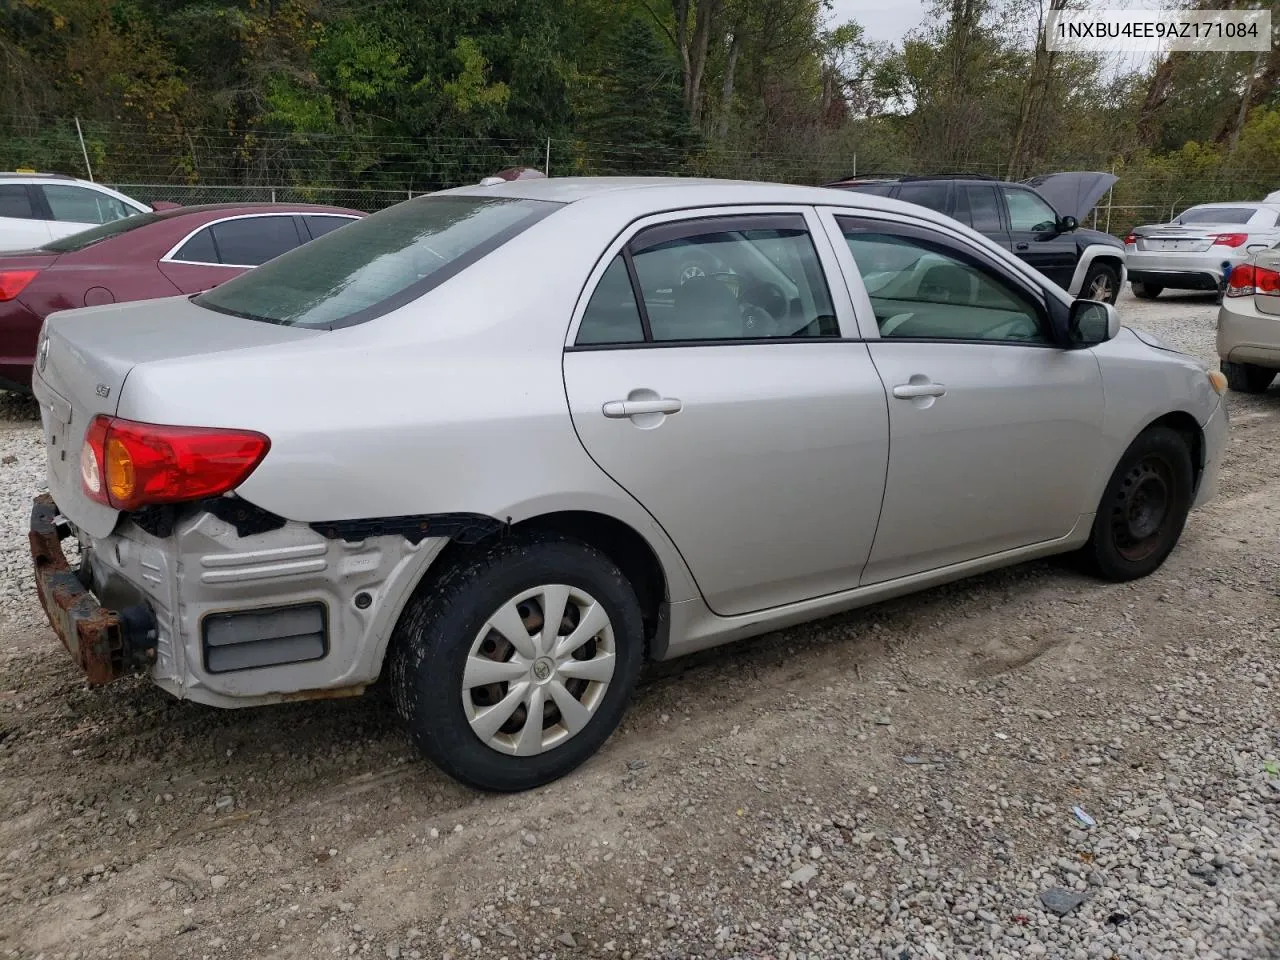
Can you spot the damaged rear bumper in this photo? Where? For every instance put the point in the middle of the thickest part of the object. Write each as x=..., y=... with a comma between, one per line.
x=105, y=644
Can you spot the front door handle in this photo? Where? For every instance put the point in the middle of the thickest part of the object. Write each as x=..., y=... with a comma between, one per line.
x=909, y=391
x=621, y=409
x=1022, y=246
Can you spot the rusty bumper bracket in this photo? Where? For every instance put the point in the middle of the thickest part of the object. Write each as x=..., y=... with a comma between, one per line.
x=107, y=644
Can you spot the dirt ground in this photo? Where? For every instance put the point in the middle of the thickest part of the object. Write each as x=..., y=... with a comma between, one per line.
x=919, y=754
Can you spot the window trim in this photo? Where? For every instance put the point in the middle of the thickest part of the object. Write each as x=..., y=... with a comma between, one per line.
x=169, y=257
x=692, y=222
x=966, y=253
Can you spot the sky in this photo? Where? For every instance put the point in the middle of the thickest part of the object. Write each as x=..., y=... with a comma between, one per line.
x=883, y=21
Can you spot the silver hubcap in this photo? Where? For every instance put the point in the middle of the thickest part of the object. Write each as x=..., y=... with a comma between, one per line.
x=1101, y=289
x=538, y=670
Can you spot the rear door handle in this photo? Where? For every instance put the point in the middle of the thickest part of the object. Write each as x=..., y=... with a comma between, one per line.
x=621, y=409
x=909, y=391
x=1021, y=246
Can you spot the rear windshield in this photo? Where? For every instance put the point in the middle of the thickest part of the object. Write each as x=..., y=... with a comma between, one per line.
x=78, y=241
x=1217, y=215
x=377, y=264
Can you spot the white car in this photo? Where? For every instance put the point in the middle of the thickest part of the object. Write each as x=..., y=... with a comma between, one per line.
x=36, y=208
x=504, y=443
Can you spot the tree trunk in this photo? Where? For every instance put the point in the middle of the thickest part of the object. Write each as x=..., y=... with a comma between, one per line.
x=1033, y=95
x=707, y=11
x=726, y=92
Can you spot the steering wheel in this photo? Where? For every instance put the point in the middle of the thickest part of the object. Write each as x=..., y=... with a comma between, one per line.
x=756, y=320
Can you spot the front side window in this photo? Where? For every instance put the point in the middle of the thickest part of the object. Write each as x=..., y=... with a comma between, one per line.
x=920, y=289
x=82, y=205
x=375, y=264
x=1028, y=212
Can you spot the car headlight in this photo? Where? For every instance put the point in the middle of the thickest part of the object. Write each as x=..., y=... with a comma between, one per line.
x=1218, y=381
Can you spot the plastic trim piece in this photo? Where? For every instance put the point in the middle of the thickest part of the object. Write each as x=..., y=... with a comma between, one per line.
x=464, y=528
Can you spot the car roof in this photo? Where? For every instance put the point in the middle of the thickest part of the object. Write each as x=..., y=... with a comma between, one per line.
x=1247, y=204
x=677, y=191
x=35, y=175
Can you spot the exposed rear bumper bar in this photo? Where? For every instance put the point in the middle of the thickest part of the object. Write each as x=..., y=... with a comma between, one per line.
x=106, y=644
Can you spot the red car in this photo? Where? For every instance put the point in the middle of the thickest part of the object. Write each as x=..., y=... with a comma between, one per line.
x=161, y=254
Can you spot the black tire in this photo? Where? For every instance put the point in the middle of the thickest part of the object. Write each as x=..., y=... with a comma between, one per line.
x=1102, y=272
x=434, y=637
x=1143, y=508
x=1247, y=377
x=1146, y=291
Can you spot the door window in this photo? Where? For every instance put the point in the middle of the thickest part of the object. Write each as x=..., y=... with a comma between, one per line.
x=319, y=226
x=1028, y=212
x=82, y=205
x=931, y=194
x=727, y=278
x=981, y=206
x=199, y=249
x=254, y=240
x=15, y=202
x=925, y=290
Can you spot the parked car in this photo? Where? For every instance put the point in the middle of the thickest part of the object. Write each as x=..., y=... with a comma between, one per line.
x=1249, y=323
x=1038, y=220
x=1199, y=247
x=183, y=250
x=38, y=207
x=504, y=443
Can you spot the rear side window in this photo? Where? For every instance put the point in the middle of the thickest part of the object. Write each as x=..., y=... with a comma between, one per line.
x=980, y=208
x=251, y=241
x=319, y=226
x=376, y=264
x=199, y=249
x=15, y=202
x=612, y=315
x=932, y=195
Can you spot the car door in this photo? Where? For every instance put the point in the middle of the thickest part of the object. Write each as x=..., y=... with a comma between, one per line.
x=76, y=209
x=226, y=248
x=1034, y=234
x=22, y=226
x=706, y=373
x=994, y=431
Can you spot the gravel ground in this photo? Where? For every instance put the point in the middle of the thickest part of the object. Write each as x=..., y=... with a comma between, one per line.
x=896, y=783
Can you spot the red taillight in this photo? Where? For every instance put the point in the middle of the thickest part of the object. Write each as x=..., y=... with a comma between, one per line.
x=13, y=282
x=1246, y=280
x=128, y=465
x=1231, y=239
x=1130, y=240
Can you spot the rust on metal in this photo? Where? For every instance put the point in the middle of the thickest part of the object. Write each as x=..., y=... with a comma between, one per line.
x=325, y=693
x=96, y=638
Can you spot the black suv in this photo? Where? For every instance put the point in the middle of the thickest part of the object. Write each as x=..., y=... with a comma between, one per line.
x=1038, y=220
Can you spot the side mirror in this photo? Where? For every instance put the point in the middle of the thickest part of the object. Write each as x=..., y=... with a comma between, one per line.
x=1092, y=322
x=1067, y=224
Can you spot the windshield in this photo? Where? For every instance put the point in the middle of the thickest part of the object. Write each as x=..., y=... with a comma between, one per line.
x=377, y=264
x=78, y=241
x=1217, y=215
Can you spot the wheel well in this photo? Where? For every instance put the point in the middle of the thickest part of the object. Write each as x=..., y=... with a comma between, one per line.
x=1185, y=425
x=621, y=544
x=1112, y=261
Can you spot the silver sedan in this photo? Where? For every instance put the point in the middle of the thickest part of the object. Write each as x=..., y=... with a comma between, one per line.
x=1199, y=247
x=508, y=442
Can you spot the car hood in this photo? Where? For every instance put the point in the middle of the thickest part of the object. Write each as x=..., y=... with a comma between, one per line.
x=1075, y=193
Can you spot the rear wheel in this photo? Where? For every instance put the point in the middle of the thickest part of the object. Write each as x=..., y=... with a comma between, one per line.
x=1247, y=377
x=1102, y=283
x=1143, y=509
x=518, y=663
x=1146, y=291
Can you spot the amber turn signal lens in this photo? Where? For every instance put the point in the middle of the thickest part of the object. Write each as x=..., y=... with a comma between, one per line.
x=1218, y=381
x=121, y=479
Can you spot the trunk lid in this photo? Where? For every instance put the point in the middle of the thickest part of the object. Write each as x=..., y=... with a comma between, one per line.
x=84, y=358
x=1074, y=193
x=1176, y=238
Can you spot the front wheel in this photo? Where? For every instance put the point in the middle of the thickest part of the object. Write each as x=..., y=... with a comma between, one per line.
x=1146, y=291
x=1247, y=377
x=519, y=662
x=1101, y=283
x=1143, y=508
